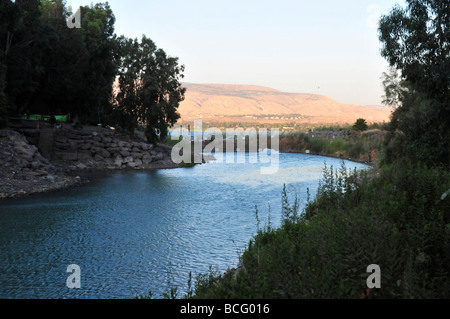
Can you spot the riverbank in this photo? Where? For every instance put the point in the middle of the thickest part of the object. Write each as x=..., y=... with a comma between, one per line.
x=75, y=156
x=359, y=147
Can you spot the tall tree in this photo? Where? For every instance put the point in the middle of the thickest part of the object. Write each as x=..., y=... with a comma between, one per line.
x=22, y=34
x=416, y=43
x=148, y=90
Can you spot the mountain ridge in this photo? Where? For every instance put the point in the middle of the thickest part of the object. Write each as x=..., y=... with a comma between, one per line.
x=234, y=102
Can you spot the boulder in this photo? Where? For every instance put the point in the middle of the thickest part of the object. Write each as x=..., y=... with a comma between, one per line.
x=118, y=161
x=132, y=164
x=124, y=153
x=81, y=166
x=147, y=159
x=138, y=162
x=128, y=159
x=137, y=155
x=99, y=158
x=86, y=146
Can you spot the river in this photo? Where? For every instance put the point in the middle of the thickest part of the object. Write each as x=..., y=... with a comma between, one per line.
x=131, y=232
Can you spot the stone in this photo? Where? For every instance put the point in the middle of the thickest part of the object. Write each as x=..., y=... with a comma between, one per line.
x=123, y=144
x=81, y=166
x=138, y=162
x=36, y=165
x=159, y=156
x=24, y=151
x=128, y=159
x=85, y=147
x=41, y=172
x=147, y=159
x=144, y=147
x=124, y=153
x=107, y=140
x=103, y=153
x=132, y=164
x=118, y=161
x=137, y=155
x=99, y=158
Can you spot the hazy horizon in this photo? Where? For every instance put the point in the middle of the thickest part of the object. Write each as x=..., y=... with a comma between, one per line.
x=328, y=48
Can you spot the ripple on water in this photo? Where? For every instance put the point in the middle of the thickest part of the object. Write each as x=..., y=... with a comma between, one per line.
x=132, y=232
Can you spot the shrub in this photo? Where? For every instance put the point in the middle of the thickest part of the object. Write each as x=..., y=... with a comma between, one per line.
x=396, y=218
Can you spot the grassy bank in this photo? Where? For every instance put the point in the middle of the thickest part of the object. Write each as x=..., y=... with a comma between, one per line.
x=397, y=218
x=362, y=147
x=341, y=143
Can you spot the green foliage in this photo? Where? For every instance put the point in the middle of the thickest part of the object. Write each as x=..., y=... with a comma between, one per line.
x=396, y=220
x=416, y=45
x=356, y=146
x=47, y=68
x=149, y=91
x=360, y=125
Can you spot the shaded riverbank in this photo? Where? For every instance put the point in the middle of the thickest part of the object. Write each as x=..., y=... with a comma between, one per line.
x=76, y=156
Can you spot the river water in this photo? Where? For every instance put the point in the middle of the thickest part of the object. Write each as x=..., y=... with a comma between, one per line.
x=131, y=232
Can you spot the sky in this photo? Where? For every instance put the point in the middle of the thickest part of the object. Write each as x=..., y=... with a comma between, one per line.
x=324, y=47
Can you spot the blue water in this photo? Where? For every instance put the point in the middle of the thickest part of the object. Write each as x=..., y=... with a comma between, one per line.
x=131, y=232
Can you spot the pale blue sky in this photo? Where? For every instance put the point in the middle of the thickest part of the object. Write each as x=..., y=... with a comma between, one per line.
x=290, y=45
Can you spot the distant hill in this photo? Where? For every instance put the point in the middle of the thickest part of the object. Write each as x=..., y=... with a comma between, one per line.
x=249, y=103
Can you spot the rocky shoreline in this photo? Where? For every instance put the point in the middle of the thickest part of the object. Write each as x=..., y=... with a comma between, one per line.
x=73, y=156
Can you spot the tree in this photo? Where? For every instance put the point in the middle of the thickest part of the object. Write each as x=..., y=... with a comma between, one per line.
x=22, y=35
x=148, y=88
x=360, y=125
x=416, y=43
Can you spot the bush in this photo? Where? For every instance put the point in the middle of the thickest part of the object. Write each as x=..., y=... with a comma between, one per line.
x=396, y=218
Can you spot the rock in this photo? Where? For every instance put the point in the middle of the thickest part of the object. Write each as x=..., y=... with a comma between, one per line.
x=50, y=178
x=123, y=144
x=86, y=146
x=145, y=147
x=103, y=153
x=118, y=161
x=147, y=159
x=138, y=162
x=24, y=151
x=36, y=165
x=128, y=159
x=137, y=155
x=107, y=140
x=132, y=164
x=136, y=149
x=81, y=166
x=99, y=158
x=41, y=172
x=159, y=156
x=124, y=153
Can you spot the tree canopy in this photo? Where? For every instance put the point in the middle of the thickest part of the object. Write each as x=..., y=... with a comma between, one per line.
x=48, y=67
x=416, y=44
x=148, y=87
